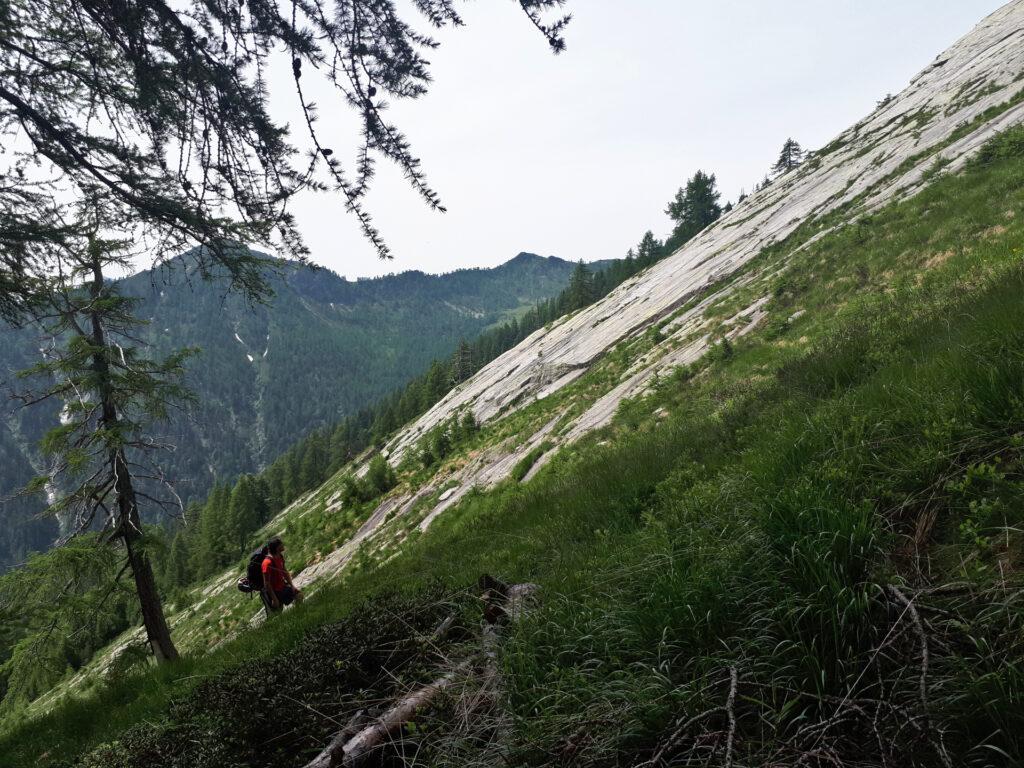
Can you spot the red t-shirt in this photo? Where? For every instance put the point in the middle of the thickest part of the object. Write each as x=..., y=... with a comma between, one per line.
x=273, y=572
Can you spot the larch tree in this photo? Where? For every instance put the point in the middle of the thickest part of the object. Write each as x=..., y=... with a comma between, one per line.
x=790, y=156
x=104, y=456
x=55, y=611
x=167, y=108
x=161, y=113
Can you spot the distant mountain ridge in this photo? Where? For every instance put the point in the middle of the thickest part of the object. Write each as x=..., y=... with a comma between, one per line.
x=324, y=347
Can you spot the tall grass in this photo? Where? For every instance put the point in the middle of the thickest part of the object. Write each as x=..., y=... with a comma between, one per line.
x=782, y=561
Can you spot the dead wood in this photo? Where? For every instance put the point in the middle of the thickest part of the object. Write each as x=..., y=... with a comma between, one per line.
x=333, y=753
x=376, y=735
x=729, y=704
x=922, y=637
x=684, y=726
x=502, y=604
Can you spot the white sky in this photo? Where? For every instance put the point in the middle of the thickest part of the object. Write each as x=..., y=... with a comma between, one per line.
x=577, y=155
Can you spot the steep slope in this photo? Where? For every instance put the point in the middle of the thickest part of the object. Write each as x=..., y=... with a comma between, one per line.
x=779, y=521
x=969, y=94
x=570, y=379
x=323, y=348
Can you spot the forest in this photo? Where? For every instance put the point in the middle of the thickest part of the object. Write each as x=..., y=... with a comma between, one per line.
x=349, y=342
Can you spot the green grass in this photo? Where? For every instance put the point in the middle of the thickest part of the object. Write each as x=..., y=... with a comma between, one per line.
x=871, y=448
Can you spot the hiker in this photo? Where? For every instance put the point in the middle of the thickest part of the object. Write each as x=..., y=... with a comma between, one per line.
x=278, y=590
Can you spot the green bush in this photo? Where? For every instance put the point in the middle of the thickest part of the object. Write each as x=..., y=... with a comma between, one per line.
x=1007, y=145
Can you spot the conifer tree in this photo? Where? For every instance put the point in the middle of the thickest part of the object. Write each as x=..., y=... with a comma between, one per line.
x=176, y=569
x=242, y=516
x=55, y=612
x=435, y=385
x=215, y=532
x=580, y=292
x=648, y=251
x=790, y=157
x=261, y=501
x=440, y=443
x=462, y=363
x=111, y=393
x=274, y=490
x=313, y=466
x=467, y=424
x=694, y=207
x=290, y=482
x=380, y=477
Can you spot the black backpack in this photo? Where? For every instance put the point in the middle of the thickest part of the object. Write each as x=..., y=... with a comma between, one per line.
x=253, y=579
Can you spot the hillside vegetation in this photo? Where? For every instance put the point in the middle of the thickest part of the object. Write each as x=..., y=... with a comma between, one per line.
x=350, y=342
x=62, y=612
x=805, y=548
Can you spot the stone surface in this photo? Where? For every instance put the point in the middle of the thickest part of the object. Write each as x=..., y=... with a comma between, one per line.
x=870, y=161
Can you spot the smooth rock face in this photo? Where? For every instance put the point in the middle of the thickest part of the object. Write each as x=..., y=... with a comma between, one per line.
x=882, y=158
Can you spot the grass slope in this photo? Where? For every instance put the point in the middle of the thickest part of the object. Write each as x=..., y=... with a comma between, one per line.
x=803, y=513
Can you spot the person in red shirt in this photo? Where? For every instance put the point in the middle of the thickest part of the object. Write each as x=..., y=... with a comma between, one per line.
x=278, y=590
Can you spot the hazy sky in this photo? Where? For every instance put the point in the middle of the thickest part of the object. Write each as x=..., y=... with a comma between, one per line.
x=577, y=155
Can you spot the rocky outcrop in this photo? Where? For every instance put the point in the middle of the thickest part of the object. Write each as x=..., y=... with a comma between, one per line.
x=939, y=118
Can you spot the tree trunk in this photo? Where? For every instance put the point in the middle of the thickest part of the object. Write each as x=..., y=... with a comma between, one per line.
x=128, y=520
x=157, y=631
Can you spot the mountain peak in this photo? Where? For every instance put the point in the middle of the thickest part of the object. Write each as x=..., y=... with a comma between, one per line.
x=525, y=257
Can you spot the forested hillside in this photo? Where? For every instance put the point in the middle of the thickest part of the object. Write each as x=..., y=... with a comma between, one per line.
x=322, y=349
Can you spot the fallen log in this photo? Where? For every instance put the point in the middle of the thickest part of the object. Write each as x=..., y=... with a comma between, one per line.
x=352, y=746
x=333, y=754
x=374, y=736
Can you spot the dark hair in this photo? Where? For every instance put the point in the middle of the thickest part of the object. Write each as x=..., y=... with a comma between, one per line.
x=274, y=545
